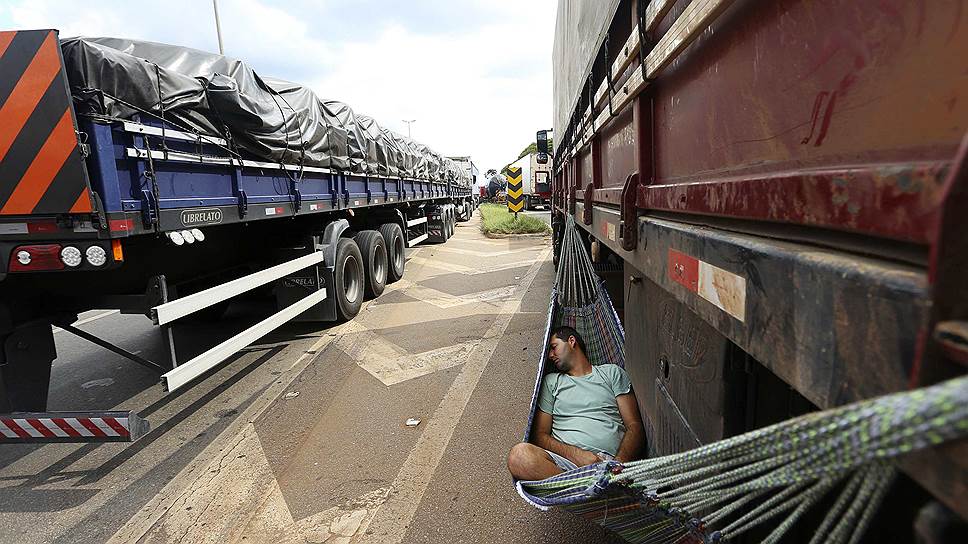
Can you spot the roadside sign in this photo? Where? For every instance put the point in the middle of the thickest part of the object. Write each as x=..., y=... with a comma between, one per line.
x=515, y=190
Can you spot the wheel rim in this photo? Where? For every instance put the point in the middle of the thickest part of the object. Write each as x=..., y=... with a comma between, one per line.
x=398, y=253
x=352, y=286
x=380, y=265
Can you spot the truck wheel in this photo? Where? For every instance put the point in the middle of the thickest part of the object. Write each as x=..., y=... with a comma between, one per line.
x=396, y=250
x=451, y=222
x=374, y=251
x=348, y=279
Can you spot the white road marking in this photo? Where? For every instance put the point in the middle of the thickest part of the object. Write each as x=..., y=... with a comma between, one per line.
x=391, y=364
x=475, y=253
x=443, y=300
x=80, y=322
x=391, y=521
x=469, y=271
x=185, y=483
x=239, y=500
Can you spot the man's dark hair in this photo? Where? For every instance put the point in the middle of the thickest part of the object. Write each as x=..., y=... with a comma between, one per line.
x=564, y=331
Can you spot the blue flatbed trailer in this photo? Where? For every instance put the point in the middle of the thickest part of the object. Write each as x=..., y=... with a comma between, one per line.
x=145, y=217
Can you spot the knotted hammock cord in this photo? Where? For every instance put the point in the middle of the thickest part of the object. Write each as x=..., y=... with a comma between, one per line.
x=775, y=474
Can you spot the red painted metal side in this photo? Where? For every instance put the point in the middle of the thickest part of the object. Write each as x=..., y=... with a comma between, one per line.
x=831, y=114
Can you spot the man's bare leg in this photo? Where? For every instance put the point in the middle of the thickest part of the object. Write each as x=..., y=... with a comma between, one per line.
x=529, y=462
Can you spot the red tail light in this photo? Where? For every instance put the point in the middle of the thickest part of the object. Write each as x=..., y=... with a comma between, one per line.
x=38, y=257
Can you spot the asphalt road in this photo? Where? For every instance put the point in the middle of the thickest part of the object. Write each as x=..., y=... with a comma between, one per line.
x=303, y=437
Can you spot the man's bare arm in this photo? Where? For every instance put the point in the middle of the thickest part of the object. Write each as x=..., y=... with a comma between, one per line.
x=634, y=437
x=543, y=439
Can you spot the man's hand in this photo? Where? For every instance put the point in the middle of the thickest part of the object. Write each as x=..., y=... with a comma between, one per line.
x=583, y=457
x=542, y=438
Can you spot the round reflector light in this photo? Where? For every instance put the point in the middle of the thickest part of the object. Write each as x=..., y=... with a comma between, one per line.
x=23, y=257
x=188, y=236
x=176, y=238
x=71, y=256
x=198, y=234
x=96, y=255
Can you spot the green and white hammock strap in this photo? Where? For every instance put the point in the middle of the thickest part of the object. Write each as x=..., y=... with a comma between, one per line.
x=583, y=303
x=728, y=487
x=775, y=474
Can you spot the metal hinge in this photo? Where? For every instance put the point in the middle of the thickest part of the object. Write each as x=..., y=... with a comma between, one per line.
x=148, y=215
x=243, y=204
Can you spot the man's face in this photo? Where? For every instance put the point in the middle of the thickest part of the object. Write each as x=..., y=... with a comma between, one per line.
x=560, y=352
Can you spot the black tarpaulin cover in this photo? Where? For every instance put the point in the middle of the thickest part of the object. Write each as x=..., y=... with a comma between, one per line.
x=267, y=118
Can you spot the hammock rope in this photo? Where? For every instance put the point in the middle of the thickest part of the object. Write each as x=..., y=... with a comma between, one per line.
x=774, y=474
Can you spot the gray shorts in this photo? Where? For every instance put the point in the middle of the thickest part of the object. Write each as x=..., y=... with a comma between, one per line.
x=565, y=464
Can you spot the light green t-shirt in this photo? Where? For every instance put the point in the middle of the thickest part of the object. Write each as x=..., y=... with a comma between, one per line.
x=583, y=409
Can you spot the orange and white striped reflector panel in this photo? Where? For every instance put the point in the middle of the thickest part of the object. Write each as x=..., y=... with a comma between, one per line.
x=41, y=168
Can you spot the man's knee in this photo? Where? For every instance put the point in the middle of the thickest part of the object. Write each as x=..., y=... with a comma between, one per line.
x=520, y=456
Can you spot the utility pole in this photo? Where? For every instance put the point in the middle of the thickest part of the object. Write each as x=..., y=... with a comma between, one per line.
x=218, y=28
x=408, y=125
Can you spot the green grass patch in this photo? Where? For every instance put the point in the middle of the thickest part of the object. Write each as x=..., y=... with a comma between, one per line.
x=496, y=219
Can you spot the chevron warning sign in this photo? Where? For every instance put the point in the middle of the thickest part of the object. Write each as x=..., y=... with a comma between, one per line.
x=515, y=189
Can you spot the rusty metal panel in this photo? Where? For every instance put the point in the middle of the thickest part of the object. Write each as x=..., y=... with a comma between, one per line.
x=855, y=129
x=679, y=377
x=618, y=150
x=586, y=168
x=870, y=82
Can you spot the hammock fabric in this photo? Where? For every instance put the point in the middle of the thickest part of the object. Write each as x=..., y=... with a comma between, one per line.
x=775, y=474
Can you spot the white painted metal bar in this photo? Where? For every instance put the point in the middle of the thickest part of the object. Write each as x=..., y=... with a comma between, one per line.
x=417, y=240
x=178, y=156
x=192, y=369
x=416, y=221
x=138, y=128
x=655, y=11
x=170, y=311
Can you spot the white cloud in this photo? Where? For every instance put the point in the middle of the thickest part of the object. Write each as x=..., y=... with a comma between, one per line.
x=481, y=91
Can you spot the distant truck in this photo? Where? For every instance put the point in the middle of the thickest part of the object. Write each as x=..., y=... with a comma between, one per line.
x=536, y=179
x=465, y=163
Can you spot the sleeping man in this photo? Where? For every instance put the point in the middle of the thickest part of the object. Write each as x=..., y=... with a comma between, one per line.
x=586, y=414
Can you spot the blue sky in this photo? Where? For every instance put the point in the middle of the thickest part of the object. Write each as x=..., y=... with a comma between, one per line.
x=475, y=74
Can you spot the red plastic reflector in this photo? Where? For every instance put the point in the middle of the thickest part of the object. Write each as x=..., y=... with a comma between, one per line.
x=121, y=225
x=42, y=257
x=42, y=226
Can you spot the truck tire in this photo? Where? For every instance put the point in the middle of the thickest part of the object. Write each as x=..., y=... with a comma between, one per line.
x=348, y=279
x=448, y=225
x=396, y=250
x=374, y=251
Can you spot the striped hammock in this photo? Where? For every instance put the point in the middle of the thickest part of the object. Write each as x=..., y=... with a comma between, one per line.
x=771, y=475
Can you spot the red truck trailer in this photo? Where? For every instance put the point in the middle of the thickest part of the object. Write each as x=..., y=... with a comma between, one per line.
x=775, y=194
